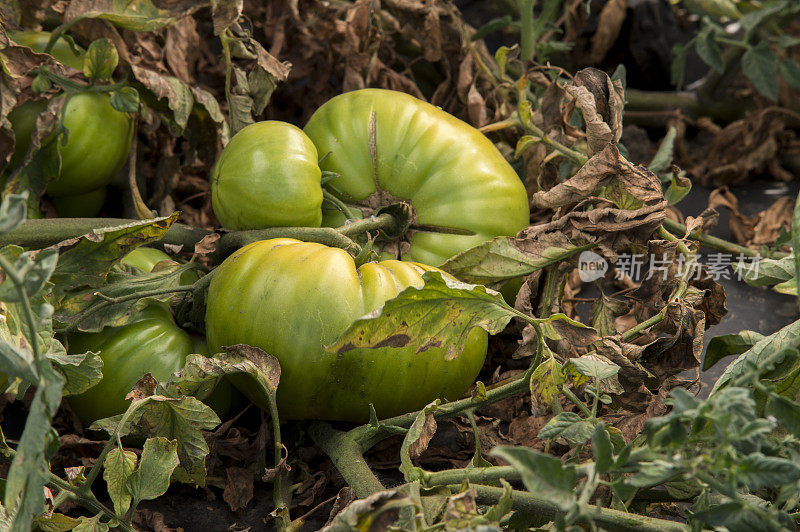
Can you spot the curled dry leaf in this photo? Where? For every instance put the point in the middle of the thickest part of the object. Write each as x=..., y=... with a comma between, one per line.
x=606, y=224
x=601, y=101
x=762, y=229
x=283, y=466
x=427, y=431
x=746, y=147
x=207, y=245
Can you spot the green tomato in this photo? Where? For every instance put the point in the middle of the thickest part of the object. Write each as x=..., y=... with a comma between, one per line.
x=267, y=176
x=152, y=343
x=85, y=205
x=291, y=298
x=388, y=146
x=37, y=41
x=97, y=146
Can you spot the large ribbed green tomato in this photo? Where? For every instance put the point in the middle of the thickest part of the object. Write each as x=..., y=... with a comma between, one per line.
x=390, y=146
x=291, y=298
x=98, y=144
x=267, y=176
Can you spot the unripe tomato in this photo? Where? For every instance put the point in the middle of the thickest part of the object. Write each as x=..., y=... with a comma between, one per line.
x=291, y=298
x=97, y=146
x=81, y=206
x=389, y=146
x=145, y=259
x=37, y=41
x=267, y=176
x=152, y=343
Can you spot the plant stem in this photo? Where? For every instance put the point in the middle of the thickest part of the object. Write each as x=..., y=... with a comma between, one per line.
x=281, y=491
x=607, y=518
x=59, y=31
x=688, y=102
x=714, y=242
x=639, y=327
x=347, y=456
x=339, y=204
x=577, y=402
x=89, y=502
x=374, y=223
x=230, y=242
x=367, y=435
x=526, y=29
x=46, y=232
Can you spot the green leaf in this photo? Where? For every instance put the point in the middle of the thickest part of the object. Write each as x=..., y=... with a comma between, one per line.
x=678, y=67
x=654, y=473
x=594, y=368
x=35, y=268
x=117, y=468
x=506, y=258
x=570, y=426
x=502, y=55
x=80, y=371
x=767, y=272
x=729, y=344
x=40, y=84
x=12, y=211
x=790, y=72
x=786, y=411
x=151, y=478
x=177, y=94
x=54, y=523
x=416, y=440
x=757, y=471
x=179, y=419
x=93, y=255
x=753, y=19
x=542, y=474
x=135, y=15
x=604, y=310
x=708, y=49
x=679, y=187
x=765, y=348
x=100, y=60
x=546, y=382
x=761, y=68
x=91, y=524
x=29, y=472
x=439, y=314
x=200, y=374
x=87, y=311
x=125, y=100
x=663, y=157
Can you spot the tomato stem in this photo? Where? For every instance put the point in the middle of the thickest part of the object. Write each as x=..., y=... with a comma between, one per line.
x=347, y=455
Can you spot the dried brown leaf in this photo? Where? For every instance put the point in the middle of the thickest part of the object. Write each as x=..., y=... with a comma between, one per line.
x=238, y=487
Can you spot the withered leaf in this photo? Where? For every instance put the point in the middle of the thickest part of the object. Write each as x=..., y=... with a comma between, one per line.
x=602, y=102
